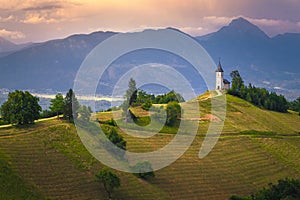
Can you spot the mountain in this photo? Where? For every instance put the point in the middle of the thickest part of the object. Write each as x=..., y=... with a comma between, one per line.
x=265, y=62
x=48, y=65
x=7, y=47
x=54, y=64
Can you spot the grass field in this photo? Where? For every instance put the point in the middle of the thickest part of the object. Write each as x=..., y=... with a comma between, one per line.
x=47, y=160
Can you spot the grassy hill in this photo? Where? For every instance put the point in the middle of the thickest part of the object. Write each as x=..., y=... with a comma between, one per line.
x=47, y=160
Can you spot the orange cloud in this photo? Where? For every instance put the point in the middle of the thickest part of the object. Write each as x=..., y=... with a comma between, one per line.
x=11, y=34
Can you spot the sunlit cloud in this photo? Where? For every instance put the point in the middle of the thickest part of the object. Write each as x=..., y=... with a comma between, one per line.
x=7, y=19
x=216, y=20
x=61, y=18
x=275, y=26
x=38, y=12
x=35, y=18
x=194, y=30
x=11, y=34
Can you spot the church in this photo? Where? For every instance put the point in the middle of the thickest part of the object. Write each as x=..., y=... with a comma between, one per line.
x=221, y=83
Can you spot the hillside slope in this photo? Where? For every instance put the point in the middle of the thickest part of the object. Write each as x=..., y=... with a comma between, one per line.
x=242, y=116
x=50, y=158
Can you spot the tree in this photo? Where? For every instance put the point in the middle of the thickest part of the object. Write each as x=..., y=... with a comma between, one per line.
x=131, y=95
x=146, y=106
x=295, y=105
x=84, y=113
x=116, y=139
x=57, y=104
x=109, y=180
x=143, y=169
x=169, y=97
x=70, y=104
x=21, y=108
x=237, y=81
x=173, y=113
x=257, y=96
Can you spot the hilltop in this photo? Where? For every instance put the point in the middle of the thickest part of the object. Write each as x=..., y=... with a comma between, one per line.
x=256, y=147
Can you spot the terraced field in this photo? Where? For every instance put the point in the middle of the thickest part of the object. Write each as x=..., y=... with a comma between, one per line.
x=237, y=165
x=50, y=157
x=256, y=147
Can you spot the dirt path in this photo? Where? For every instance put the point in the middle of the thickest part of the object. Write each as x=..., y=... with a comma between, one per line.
x=39, y=120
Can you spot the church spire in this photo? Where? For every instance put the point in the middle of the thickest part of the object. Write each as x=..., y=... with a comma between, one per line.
x=219, y=68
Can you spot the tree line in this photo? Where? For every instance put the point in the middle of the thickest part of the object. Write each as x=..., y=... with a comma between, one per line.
x=23, y=108
x=257, y=96
x=295, y=105
x=284, y=189
x=138, y=97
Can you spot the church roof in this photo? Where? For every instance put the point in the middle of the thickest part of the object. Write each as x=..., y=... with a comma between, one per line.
x=219, y=69
x=225, y=81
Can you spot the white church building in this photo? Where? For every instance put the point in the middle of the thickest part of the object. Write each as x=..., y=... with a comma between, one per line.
x=221, y=83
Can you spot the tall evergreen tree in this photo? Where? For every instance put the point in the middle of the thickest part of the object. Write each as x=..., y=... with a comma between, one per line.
x=70, y=104
x=295, y=105
x=237, y=81
x=131, y=95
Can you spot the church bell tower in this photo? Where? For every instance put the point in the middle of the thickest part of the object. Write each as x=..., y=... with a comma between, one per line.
x=219, y=77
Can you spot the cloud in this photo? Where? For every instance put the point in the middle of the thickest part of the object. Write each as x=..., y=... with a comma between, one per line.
x=276, y=26
x=28, y=5
x=216, y=20
x=7, y=19
x=37, y=12
x=11, y=34
x=195, y=17
x=44, y=7
x=193, y=30
x=36, y=18
x=49, y=12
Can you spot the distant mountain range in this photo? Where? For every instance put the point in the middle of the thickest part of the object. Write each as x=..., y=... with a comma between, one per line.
x=273, y=63
x=7, y=47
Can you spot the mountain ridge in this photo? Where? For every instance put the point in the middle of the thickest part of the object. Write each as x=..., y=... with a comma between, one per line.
x=263, y=61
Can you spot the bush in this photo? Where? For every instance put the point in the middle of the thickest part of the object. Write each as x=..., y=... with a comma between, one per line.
x=146, y=106
x=173, y=113
x=47, y=114
x=2, y=122
x=144, y=170
x=285, y=189
x=109, y=180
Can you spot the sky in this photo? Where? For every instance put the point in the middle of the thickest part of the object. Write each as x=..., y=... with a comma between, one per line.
x=41, y=20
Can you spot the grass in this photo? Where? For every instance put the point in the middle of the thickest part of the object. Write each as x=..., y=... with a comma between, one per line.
x=237, y=165
x=12, y=185
x=51, y=157
x=284, y=149
x=256, y=147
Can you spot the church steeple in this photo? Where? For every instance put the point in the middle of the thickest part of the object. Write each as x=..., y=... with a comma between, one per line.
x=221, y=83
x=219, y=68
x=219, y=77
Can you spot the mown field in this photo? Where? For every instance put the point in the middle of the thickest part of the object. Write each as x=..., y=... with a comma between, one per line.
x=48, y=161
